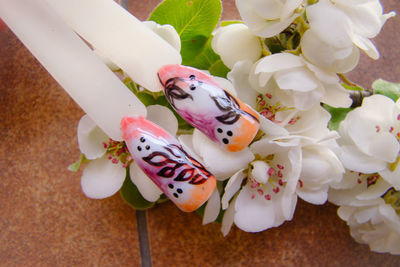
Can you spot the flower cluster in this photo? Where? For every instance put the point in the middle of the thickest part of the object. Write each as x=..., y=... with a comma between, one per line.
x=298, y=50
x=286, y=60
x=369, y=196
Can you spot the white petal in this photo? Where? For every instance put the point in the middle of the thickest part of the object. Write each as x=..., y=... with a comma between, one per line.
x=298, y=79
x=355, y=160
x=227, y=221
x=375, y=191
x=276, y=62
x=163, y=117
x=253, y=215
x=364, y=215
x=336, y=96
x=363, y=121
x=221, y=163
x=366, y=45
x=146, y=186
x=393, y=177
x=212, y=208
x=271, y=128
x=289, y=8
x=225, y=84
x=316, y=197
x=91, y=138
x=365, y=18
x=236, y=42
x=388, y=211
x=331, y=24
x=232, y=187
x=327, y=56
x=239, y=75
x=101, y=178
x=267, y=9
x=272, y=28
x=265, y=18
x=345, y=212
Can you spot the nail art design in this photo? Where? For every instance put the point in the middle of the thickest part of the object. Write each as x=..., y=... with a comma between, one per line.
x=183, y=179
x=205, y=105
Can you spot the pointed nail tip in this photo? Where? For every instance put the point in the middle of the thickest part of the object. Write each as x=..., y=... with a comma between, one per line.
x=126, y=122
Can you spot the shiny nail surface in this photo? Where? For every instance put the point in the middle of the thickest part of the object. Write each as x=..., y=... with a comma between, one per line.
x=161, y=157
x=203, y=103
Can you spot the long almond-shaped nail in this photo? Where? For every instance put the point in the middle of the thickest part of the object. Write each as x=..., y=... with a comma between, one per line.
x=202, y=102
x=183, y=179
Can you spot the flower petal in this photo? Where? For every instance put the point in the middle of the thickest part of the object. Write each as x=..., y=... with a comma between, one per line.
x=336, y=96
x=316, y=197
x=366, y=45
x=228, y=218
x=232, y=187
x=91, y=138
x=277, y=62
x=253, y=215
x=146, y=186
x=355, y=160
x=221, y=163
x=101, y=178
x=236, y=42
x=297, y=79
x=331, y=24
x=212, y=208
x=327, y=56
x=239, y=75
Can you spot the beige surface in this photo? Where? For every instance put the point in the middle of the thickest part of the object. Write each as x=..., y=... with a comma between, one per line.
x=45, y=220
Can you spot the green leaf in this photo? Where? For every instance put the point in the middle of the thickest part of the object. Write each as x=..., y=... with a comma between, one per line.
x=352, y=88
x=130, y=193
x=74, y=167
x=338, y=114
x=194, y=20
x=389, y=89
x=209, y=60
x=229, y=22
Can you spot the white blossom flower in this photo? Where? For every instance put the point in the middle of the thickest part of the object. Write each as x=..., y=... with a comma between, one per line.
x=236, y=42
x=376, y=225
x=267, y=18
x=338, y=59
x=268, y=197
x=338, y=25
x=105, y=173
x=293, y=81
x=367, y=205
x=370, y=138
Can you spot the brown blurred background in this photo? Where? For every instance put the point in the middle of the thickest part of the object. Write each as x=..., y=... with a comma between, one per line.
x=45, y=220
